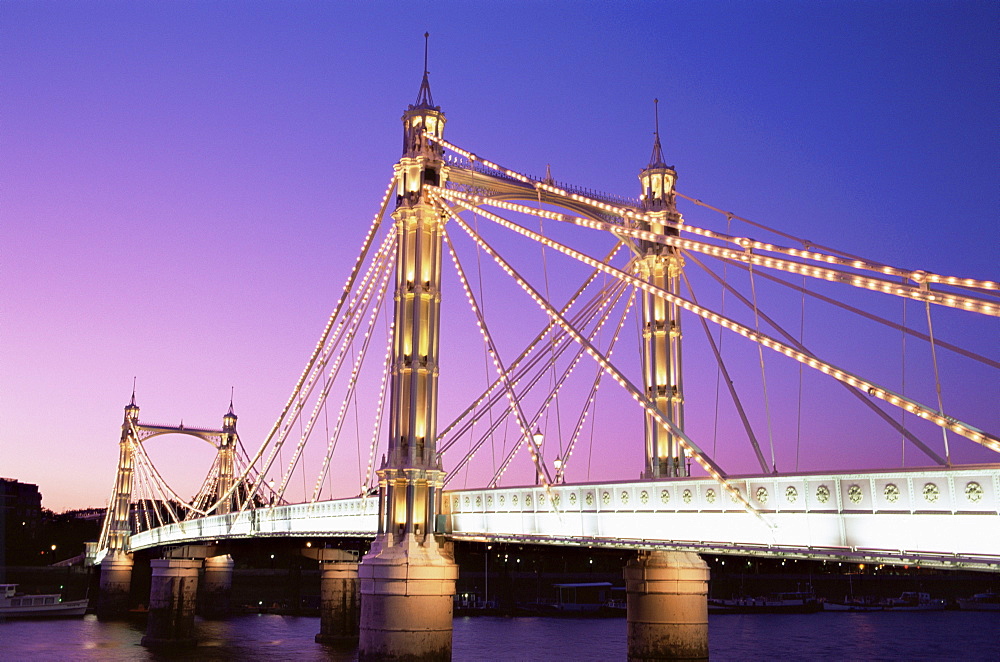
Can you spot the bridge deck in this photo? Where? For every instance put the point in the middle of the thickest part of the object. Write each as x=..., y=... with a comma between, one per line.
x=938, y=517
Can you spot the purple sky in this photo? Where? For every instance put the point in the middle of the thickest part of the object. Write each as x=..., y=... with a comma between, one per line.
x=183, y=187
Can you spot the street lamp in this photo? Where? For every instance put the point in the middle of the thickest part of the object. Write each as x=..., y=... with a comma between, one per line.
x=539, y=438
x=558, y=465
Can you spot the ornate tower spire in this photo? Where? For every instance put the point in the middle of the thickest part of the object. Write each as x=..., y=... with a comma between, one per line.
x=656, y=160
x=424, y=98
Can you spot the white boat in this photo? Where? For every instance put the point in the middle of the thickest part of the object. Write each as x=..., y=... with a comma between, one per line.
x=981, y=602
x=914, y=601
x=49, y=605
x=853, y=604
x=798, y=602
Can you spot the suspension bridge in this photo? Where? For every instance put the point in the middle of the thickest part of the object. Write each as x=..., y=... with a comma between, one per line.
x=561, y=347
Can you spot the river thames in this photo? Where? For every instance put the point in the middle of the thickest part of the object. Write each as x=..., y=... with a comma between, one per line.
x=824, y=636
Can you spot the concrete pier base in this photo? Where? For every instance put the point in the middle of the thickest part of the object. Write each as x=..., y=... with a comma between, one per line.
x=667, y=595
x=172, y=596
x=339, y=598
x=214, y=598
x=407, y=591
x=116, y=583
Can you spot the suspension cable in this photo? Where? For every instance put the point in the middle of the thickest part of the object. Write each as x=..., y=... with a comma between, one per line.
x=592, y=396
x=875, y=318
x=515, y=404
x=380, y=407
x=853, y=391
x=519, y=370
x=696, y=453
x=558, y=385
x=628, y=212
x=729, y=382
x=348, y=287
x=351, y=389
x=937, y=383
x=352, y=333
x=534, y=343
x=873, y=389
x=959, y=301
x=763, y=373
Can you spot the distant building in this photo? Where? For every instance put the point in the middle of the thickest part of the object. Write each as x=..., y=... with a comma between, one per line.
x=20, y=521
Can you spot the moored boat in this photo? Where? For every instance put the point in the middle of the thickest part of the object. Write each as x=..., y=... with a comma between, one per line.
x=797, y=602
x=989, y=601
x=914, y=601
x=48, y=605
x=853, y=604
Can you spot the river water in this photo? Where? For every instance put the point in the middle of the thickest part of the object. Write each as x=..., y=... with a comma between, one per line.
x=948, y=635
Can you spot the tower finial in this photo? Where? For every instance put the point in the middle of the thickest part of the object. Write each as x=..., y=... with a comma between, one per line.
x=427, y=39
x=424, y=98
x=232, y=391
x=656, y=116
x=133, y=391
x=656, y=160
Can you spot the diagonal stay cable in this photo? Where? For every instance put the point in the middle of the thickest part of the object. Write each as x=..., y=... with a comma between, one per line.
x=729, y=382
x=696, y=453
x=875, y=318
x=609, y=308
x=929, y=414
x=515, y=404
x=860, y=396
x=962, y=302
x=348, y=287
x=592, y=395
x=627, y=212
x=586, y=314
x=531, y=346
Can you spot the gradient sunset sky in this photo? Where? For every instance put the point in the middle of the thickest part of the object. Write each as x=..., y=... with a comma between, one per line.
x=184, y=185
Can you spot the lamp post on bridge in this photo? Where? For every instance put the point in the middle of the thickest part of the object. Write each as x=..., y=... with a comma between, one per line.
x=538, y=438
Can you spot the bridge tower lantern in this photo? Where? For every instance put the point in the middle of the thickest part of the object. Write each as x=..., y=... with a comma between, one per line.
x=227, y=460
x=408, y=578
x=661, y=266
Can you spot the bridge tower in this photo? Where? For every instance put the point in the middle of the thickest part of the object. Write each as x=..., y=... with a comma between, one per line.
x=227, y=461
x=116, y=567
x=666, y=592
x=661, y=266
x=408, y=577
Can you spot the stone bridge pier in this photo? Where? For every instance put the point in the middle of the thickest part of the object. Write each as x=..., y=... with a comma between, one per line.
x=173, y=594
x=667, y=603
x=116, y=583
x=340, y=599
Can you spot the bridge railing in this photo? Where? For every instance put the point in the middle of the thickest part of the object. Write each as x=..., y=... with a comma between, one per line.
x=343, y=517
x=940, y=516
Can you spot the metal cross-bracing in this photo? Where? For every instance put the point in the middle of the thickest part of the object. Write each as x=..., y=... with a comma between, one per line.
x=556, y=365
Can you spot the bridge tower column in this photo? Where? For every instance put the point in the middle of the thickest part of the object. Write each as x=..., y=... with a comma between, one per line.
x=215, y=600
x=227, y=462
x=667, y=606
x=408, y=577
x=661, y=266
x=172, y=599
x=116, y=568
